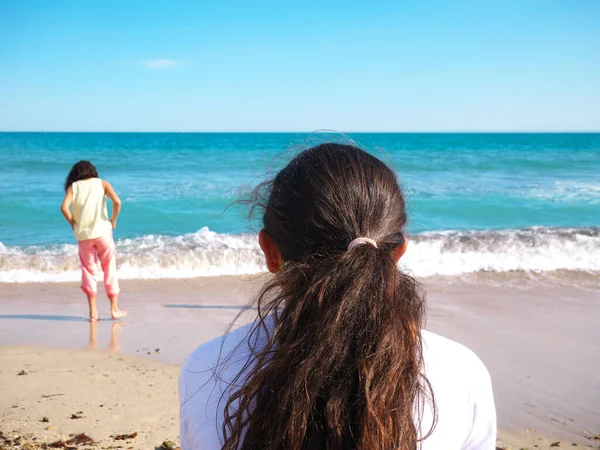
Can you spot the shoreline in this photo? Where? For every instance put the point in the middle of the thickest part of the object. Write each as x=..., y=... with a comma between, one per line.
x=568, y=277
x=535, y=336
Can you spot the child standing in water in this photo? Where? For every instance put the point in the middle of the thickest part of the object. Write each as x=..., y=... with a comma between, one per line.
x=84, y=207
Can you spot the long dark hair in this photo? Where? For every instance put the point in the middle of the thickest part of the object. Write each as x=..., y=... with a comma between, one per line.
x=80, y=171
x=342, y=366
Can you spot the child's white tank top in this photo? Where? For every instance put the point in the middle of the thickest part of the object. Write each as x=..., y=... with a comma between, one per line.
x=89, y=210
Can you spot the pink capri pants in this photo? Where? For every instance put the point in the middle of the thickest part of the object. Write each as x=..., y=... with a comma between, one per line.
x=90, y=250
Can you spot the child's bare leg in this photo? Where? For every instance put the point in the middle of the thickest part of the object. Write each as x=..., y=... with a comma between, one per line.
x=115, y=312
x=93, y=310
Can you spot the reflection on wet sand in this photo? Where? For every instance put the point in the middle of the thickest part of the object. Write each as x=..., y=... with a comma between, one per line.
x=113, y=345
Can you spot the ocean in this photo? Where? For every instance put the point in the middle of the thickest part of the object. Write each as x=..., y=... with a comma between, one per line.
x=506, y=203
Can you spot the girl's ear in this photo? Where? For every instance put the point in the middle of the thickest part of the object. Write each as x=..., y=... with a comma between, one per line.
x=400, y=250
x=271, y=251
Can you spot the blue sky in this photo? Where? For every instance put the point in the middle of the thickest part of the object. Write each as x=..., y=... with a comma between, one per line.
x=509, y=65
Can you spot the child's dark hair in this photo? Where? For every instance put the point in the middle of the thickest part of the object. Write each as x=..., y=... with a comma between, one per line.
x=342, y=365
x=80, y=171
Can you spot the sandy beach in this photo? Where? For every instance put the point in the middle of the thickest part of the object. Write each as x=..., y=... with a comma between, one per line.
x=537, y=335
x=179, y=150
x=63, y=392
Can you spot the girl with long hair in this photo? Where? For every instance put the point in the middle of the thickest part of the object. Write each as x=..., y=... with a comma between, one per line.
x=84, y=207
x=337, y=358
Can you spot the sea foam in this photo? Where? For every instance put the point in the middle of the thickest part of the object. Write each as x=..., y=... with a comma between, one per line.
x=206, y=253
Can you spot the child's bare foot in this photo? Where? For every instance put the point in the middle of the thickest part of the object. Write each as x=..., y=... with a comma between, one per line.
x=93, y=310
x=117, y=314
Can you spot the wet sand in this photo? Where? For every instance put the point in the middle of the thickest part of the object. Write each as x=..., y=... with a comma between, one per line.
x=538, y=338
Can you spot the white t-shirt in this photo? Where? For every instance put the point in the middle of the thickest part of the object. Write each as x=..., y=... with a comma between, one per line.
x=460, y=382
x=89, y=210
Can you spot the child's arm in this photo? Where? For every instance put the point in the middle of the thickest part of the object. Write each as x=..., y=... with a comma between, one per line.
x=66, y=206
x=116, y=201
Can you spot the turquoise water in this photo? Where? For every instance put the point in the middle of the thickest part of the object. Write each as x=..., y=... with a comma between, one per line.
x=472, y=187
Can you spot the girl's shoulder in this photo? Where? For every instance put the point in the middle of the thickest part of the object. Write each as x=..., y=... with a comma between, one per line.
x=221, y=359
x=441, y=351
x=452, y=368
x=221, y=351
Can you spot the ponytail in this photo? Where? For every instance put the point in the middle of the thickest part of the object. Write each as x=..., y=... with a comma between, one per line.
x=342, y=366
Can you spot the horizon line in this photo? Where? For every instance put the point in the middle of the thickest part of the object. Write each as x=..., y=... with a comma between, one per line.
x=321, y=131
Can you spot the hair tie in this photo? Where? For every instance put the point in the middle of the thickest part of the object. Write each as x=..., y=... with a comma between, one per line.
x=360, y=241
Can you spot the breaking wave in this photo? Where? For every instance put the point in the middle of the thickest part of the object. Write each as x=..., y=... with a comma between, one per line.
x=206, y=253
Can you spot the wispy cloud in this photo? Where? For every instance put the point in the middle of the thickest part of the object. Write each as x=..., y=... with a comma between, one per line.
x=158, y=64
